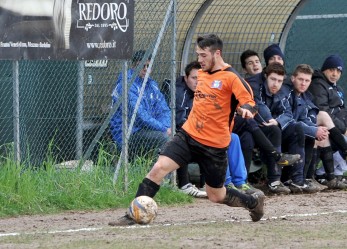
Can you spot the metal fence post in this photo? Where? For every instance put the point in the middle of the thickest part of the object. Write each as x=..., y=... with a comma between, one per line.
x=79, y=114
x=16, y=125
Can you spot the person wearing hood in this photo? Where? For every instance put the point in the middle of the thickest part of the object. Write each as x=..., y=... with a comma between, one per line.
x=152, y=126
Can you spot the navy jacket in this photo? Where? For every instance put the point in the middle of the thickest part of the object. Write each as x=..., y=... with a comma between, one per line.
x=329, y=97
x=270, y=106
x=184, y=101
x=303, y=109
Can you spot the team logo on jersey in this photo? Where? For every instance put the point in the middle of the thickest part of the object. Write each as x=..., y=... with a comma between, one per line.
x=217, y=84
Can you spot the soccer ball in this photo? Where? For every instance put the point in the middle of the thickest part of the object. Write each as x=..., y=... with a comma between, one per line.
x=143, y=209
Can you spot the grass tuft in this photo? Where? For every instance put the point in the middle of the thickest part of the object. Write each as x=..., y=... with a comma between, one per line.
x=48, y=189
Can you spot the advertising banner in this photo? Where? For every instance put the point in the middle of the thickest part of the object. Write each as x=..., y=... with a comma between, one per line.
x=66, y=29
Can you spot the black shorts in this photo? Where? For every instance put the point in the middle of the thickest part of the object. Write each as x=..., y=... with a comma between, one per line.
x=212, y=161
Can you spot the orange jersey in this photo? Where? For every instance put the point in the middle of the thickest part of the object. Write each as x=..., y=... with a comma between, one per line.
x=210, y=119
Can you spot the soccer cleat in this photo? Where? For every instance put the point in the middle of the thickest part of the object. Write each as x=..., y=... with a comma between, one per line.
x=336, y=184
x=277, y=187
x=342, y=178
x=231, y=186
x=303, y=188
x=123, y=221
x=257, y=212
x=247, y=188
x=190, y=189
x=288, y=159
x=313, y=181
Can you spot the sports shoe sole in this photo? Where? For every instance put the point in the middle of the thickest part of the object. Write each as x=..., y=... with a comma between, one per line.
x=122, y=221
x=258, y=212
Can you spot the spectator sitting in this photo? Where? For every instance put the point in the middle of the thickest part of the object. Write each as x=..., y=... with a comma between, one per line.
x=250, y=63
x=185, y=88
x=267, y=139
x=151, y=128
x=328, y=96
x=275, y=109
x=318, y=126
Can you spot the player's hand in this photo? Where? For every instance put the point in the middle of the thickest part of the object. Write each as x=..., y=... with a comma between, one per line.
x=244, y=113
x=271, y=122
x=322, y=133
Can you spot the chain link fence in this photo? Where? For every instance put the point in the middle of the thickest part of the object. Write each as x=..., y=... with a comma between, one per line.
x=63, y=109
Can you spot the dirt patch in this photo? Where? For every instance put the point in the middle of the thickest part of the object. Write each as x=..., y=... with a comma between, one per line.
x=315, y=220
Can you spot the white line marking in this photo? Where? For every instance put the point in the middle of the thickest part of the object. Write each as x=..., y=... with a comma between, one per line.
x=324, y=16
x=52, y=232
x=167, y=224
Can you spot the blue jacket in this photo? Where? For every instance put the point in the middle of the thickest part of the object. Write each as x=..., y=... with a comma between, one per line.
x=255, y=81
x=274, y=106
x=184, y=101
x=303, y=109
x=153, y=112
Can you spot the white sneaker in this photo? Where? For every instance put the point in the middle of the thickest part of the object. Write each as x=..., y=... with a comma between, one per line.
x=190, y=189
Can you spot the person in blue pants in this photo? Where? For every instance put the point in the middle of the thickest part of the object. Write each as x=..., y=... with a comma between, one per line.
x=236, y=175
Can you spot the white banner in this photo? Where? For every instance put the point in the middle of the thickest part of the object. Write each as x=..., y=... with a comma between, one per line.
x=66, y=29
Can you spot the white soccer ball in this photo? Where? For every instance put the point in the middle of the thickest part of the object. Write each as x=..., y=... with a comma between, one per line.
x=143, y=209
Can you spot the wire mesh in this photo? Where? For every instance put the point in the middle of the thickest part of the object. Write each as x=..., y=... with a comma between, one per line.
x=63, y=105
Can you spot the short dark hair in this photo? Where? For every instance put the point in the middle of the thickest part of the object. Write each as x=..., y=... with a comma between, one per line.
x=246, y=54
x=210, y=40
x=303, y=68
x=276, y=68
x=191, y=66
x=138, y=56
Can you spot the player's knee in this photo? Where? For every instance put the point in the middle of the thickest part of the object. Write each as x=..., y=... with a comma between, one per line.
x=160, y=169
x=216, y=197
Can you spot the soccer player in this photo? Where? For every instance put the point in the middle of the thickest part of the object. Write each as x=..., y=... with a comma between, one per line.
x=205, y=136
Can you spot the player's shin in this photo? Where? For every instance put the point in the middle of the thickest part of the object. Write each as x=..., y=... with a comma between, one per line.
x=235, y=198
x=148, y=188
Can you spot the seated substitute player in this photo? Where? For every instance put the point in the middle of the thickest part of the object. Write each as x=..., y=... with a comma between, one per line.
x=274, y=108
x=205, y=135
x=250, y=63
x=267, y=139
x=317, y=125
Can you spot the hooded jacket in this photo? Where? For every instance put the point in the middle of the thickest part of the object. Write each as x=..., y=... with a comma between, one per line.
x=329, y=97
x=153, y=112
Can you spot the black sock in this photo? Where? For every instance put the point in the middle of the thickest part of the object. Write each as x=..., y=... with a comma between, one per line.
x=337, y=137
x=310, y=167
x=328, y=161
x=148, y=188
x=235, y=198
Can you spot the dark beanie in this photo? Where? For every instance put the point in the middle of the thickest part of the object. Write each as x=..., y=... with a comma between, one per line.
x=272, y=50
x=333, y=61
